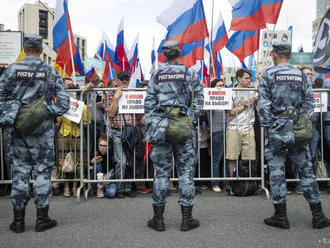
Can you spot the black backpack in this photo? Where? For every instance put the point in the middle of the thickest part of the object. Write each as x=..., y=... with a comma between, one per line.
x=244, y=187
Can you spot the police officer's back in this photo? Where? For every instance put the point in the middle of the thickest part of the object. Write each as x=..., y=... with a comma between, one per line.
x=284, y=90
x=33, y=151
x=170, y=89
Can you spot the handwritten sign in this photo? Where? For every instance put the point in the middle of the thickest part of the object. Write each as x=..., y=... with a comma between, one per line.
x=79, y=80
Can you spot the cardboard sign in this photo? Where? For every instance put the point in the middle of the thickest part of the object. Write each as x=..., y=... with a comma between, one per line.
x=320, y=97
x=132, y=102
x=218, y=99
x=75, y=112
x=10, y=47
x=269, y=37
x=301, y=59
x=96, y=63
x=79, y=80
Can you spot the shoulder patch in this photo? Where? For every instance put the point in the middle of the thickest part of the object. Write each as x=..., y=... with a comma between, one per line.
x=288, y=78
x=171, y=76
x=26, y=74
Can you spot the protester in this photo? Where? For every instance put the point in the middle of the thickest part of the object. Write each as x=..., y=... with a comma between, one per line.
x=69, y=141
x=279, y=94
x=326, y=127
x=102, y=168
x=174, y=96
x=240, y=137
x=146, y=166
x=117, y=123
x=218, y=126
x=95, y=105
x=33, y=152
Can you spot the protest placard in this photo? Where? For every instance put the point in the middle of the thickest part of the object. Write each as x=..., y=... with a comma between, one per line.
x=320, y=98
x=76, y=110
x=218, y=99
x=79, y=80
x=132, y=102
x=10, y=47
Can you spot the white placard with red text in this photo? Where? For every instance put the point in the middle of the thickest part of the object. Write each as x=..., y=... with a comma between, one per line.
x=132, y=102
x=75, y=112
x=320, y=97
x=218, y=99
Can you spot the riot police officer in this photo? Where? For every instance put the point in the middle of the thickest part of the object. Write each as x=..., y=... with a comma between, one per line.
x=170, y=89
x=280, y=88
x=33, y=152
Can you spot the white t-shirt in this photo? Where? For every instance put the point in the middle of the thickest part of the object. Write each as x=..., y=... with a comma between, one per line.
x=243, y=121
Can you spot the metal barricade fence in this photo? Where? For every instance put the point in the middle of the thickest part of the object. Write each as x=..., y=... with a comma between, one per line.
x=84, y=145
x=320, y=165
x=120, y=176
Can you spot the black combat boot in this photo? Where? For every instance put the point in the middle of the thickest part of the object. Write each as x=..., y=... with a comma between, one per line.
x=18, y=224
x=188, y=222
x=319, y=219
x=157, y=222
x=279, y=219
x=43, y=221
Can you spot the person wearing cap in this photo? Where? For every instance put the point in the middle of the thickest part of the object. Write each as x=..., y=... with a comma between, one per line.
x=280, y=88
x=171, y=88
x=34, y=152
x=117, y=123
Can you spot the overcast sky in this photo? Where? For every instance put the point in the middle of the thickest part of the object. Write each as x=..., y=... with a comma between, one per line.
x=91, y=18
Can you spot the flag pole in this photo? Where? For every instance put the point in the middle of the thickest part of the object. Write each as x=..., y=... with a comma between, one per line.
x=210, y=42
x=110, y=70
x=71, y=53
x=64, y=71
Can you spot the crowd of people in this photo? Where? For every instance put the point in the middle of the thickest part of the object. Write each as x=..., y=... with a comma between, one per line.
x=237, y=132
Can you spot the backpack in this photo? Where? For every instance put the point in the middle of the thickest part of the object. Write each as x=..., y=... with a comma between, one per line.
x=245, y=188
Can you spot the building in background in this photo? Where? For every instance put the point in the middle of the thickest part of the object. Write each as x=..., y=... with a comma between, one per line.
x=38, y=18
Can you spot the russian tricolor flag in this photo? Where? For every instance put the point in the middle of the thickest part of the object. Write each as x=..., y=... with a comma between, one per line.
x=186, y=23
x=218, y=65
x=90, y=73
x=247, y=15
x=120, y=52
x=134, y=55
x=161, y=56
x=220, y=37
x=63, y=41
x=105, y=52
x=271, y=10
x=153, y=52
x=243, y=43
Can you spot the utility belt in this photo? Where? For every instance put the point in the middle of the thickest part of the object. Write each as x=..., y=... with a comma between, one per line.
x=175, y=112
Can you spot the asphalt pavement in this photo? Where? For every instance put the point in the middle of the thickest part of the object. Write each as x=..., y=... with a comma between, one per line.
x=226, y=221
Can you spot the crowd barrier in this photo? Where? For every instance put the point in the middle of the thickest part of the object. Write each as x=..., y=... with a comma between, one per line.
x=84, y=143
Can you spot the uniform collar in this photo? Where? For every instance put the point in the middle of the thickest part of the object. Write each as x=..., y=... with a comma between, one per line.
x=175, y=63
x=32, y=58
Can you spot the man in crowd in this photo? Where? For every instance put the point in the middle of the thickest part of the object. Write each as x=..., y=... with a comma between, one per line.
x=170, y=89
x=326, y=126
x=240, y=137
x=96, y=108
x=279, y=90
x=117, y=123
x=34, y=151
